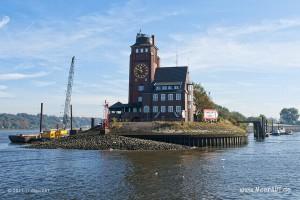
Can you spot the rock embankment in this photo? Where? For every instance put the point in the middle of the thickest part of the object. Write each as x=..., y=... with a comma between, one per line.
x=94, y=141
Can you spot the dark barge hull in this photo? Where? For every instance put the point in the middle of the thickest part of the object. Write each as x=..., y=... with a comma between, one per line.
x=22, y=138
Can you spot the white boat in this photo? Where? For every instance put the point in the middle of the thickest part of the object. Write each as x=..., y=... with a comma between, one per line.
x=281, y=130
x=289, y=132
x=276, y=132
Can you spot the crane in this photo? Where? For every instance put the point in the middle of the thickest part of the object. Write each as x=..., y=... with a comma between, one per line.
x=66, y=118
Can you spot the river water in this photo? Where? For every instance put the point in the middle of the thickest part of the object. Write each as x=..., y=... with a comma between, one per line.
x=259, y=170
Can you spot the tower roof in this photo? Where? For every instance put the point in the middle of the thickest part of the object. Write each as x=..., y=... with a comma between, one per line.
x=142, y=38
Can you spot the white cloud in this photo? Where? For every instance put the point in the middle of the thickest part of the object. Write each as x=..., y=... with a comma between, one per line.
x=4, y=21
x=43, y=83
x=3, y=87
x=4, y=93
x=18, y=76
x=262, y=27
x=258, y=46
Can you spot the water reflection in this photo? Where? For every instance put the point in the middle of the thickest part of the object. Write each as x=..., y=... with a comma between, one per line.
x=198, y=174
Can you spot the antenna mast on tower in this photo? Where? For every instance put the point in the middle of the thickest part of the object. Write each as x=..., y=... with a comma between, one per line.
x=176, y=56
x=66, y=118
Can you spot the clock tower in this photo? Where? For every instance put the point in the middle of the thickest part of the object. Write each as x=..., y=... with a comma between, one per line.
x=143, y=63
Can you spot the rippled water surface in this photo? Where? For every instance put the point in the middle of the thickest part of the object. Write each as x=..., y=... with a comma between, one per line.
x=197, y=174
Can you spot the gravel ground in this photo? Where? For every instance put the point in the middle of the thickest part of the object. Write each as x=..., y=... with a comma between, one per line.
x=94, y=141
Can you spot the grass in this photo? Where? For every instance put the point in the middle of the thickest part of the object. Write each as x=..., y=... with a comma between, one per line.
x=223, y=127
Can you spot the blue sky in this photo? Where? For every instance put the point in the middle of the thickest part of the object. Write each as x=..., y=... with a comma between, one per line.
x=246, y=53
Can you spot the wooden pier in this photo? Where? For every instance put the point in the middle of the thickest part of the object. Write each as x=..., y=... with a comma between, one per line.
x=260, y=127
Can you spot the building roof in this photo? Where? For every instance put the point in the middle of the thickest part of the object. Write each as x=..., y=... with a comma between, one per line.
x=171, y=74
x=117, y=105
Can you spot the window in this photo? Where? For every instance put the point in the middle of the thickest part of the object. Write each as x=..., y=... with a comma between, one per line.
x=163, y=97
x=190, y=106
x=178, y=109
x=158, y=88
x=155, y=97
x=170, y=108
x=146, y=50
x=176, y=87
x=136, y=50
x=190, y=87
x=134, y=110
x=142, y=50
x=140, y=99
x=190, y=98
x=155, y=109
x=146, y=109
x=170, y=87
x=163, y=109
x=164, y=87
x=178, y=96
x=141, y=88
x=170, y=97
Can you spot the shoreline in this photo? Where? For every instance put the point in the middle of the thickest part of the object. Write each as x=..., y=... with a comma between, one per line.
x=92, y=140
x=145, y=138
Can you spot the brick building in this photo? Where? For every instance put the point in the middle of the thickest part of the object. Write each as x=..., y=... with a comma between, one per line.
x=155, y=93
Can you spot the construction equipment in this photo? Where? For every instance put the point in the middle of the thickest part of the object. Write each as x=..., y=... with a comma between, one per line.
x=66, y=118
x=54, y=134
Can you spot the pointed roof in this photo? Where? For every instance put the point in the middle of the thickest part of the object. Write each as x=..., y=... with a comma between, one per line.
x=117, y=105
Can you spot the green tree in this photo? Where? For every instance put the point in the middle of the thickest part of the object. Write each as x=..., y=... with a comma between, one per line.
x=201, y=100
x=289, y=115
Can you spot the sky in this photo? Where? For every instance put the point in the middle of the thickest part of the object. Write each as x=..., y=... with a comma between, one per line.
x=245, y=53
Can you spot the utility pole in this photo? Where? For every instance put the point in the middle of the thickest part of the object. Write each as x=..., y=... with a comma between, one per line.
x=41, y=118
x=71, y=110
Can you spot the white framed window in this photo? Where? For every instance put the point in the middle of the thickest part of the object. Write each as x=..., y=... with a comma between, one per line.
x=190, y=98
x=141, y=88
x=146, y=109
x=170, y=97
x=140, y=99
x=178, y=96
x=155, y=109
x=170, y=108
x=146, y=50
x=142, y=50
x=164, y=87
x=176, y=87
x=190, y=106
x=190, y=87
x=158, y=88
x=155, y=97
x=163, y=109
x=178, y=109
x=137, y=50
x=170, y=87
x=134, y=110
x=163, y=97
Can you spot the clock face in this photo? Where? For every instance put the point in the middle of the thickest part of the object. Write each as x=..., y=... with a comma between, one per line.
x=140, y=71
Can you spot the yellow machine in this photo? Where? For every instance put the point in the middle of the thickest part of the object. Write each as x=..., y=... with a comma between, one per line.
x=54, y=133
